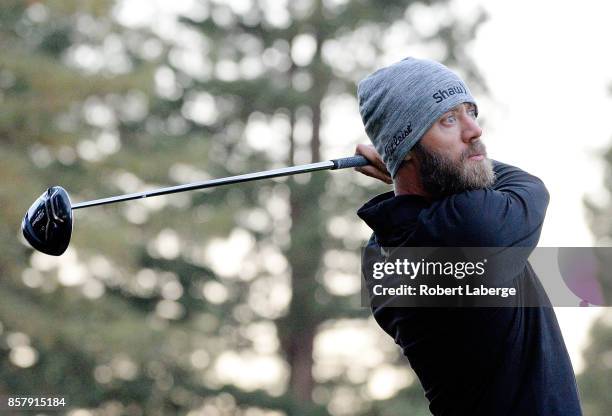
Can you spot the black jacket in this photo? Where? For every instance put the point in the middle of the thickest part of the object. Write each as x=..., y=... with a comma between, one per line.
x=478, y=361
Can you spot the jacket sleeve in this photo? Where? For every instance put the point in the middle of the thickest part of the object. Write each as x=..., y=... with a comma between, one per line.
x=510, y=213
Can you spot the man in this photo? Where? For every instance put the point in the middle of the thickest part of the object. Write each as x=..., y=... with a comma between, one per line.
x=422, y=121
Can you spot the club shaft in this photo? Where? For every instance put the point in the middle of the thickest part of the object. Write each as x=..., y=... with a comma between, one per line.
x=353, y=161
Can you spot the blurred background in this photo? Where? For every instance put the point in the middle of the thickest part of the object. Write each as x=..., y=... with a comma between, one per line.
x=244, y=300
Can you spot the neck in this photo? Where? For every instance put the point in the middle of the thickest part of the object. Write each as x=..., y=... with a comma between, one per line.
x=406, y=189
x=407, y=181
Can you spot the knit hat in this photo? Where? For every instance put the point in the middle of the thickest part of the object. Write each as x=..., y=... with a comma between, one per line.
x=399, y=103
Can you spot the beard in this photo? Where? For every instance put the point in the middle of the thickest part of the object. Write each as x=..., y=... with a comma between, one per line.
x=442, y=176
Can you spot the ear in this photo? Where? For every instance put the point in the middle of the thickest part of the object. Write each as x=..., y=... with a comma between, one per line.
x=410, y=157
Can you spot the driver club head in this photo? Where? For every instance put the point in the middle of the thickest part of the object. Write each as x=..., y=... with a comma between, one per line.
x=48, y=223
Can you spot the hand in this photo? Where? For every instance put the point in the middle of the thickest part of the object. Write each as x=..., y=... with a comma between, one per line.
x=377, y=168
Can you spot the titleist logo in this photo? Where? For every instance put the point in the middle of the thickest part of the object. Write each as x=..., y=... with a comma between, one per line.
x=397, y=139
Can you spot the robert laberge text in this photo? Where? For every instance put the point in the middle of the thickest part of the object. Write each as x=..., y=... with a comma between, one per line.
x=425, y=290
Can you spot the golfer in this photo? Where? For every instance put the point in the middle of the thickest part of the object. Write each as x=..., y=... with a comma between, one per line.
x=422, y=121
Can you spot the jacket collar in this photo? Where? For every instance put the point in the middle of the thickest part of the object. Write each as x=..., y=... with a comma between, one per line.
x=390, y=216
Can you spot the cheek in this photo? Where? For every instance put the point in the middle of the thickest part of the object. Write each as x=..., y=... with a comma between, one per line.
x=445, y=141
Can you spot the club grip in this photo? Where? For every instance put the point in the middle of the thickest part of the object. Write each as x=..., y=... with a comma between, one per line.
x=350, y=162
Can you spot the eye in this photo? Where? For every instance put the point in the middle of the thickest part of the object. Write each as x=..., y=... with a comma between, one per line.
x=450, y=118
x=471, y=110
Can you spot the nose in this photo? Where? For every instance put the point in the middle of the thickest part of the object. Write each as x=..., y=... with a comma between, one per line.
x=471, y=130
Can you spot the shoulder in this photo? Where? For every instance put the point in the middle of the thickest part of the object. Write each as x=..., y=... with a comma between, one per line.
x=507, y=213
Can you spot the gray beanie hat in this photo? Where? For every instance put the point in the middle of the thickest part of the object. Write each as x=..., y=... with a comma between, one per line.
x=399, y=103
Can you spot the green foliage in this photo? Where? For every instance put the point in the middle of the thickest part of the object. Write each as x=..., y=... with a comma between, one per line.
x=596, y=378
x=153, y=297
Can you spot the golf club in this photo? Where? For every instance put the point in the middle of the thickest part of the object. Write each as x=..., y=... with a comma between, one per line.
x=47, y=225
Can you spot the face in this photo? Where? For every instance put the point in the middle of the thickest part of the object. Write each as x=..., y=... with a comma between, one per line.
x=451, y=156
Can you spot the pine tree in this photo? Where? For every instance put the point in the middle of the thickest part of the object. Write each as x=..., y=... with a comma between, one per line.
x=595, y=380
x=159, y=304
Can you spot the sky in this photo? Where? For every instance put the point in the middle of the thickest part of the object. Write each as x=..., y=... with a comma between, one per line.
x=550, y=80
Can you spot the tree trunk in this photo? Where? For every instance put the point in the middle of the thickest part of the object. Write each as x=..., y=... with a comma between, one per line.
x=298, y=328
